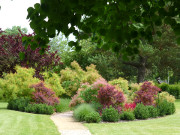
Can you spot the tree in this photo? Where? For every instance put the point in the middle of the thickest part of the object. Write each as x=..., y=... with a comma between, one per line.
x=15, y=30
x=113, y=24
x=11, y=47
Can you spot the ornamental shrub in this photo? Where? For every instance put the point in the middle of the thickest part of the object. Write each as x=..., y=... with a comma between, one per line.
x=147, y=94
x=175, y=90
x=44, y=95
x=110, y=114
x=101, y=82
x=109, y=96
x=89, y=95
x=165, y=108
x=93, y=117
x=134, y=87
x=39, y=109
x=18, y=104
x=82, y=111
x=120, y=83
x=141, y=111
x=127, y=116
x=129, y=106
x=13, y=86
x=166, y=96
x=52, y=81
x=153, y=111
x=71, y=78
x=164, y=87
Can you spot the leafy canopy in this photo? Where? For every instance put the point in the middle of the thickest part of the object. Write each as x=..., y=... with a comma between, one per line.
x=113, y=24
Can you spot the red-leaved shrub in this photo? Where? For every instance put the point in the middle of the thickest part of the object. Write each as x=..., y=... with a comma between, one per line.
x=109, y=96
x=44, y=95
x=129, y=106
x=147, y=94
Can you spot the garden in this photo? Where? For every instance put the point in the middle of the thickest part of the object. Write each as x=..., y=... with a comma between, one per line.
x=120, y=75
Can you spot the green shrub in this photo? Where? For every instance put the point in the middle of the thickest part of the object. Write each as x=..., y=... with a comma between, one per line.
x=141, y=111
x=18, y=104
x=153, y=111
x=110, y=114
x=127, y=116
x=166, y=96
x=63, y=106
x=82, y=110
x=165, y=108
x=71, y=78
x=39, y=109
x=52, y=80
x=16, y=85
x=175, y=90
x=96, y=105
x=120, y=83
x=164, y=87
x=93, y=117
x=89, y=95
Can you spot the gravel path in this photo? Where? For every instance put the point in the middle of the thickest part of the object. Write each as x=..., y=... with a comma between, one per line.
x=67, y=125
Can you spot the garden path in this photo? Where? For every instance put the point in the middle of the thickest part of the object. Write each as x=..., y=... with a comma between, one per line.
x=67, y=125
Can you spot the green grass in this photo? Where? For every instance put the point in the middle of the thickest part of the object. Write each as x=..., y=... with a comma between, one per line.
x=20, y=123
x=169, y=125
x=64, y=105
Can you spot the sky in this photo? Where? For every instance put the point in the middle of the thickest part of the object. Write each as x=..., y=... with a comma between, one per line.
x=14, y=13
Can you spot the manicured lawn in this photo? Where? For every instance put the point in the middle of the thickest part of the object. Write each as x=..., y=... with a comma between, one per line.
x=19, y=123
x=169, y=125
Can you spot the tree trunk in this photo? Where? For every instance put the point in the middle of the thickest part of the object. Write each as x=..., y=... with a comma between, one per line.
x=141, y=74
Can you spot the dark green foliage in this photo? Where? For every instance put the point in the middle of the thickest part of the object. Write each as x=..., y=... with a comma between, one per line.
x=153, y=111
x=63, y=106
x=164, y=87
x=110, y=114
x=166, y=108
x=89, y=95
x=18, y=104
x=141, y=111
x=175, y=90
x=82, y=110
x=171, y=89
x=127, y=116
x=93, y=117
x=96, y=105
x=39, y=109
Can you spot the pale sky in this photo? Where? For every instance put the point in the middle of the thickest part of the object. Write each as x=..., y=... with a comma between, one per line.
x=14, y=13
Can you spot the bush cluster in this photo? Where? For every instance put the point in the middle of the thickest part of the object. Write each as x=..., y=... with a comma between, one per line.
x=127, y=116
x=93, y=117
x=171, y=89
x=39, y=109
x=147, y=94
x=24, y=105
x=82, y=111
x=110, y=114
x=141, y=111
x=44, y=95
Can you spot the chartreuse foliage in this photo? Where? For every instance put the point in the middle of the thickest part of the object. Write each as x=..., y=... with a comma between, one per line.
x=18, y=84
x=120, y=83
x=117, y=25
x=53, y=81
x=72, y=77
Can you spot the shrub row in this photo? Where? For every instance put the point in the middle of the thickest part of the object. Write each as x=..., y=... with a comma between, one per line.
x=23, y=104
x=171, y=89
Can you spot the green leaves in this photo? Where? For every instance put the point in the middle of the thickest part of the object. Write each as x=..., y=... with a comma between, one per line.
x=21, y=55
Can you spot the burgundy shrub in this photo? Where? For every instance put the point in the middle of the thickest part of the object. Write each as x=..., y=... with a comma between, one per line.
x=12, y=45
x=147, y=94
x=44, y=95
x=109, y=96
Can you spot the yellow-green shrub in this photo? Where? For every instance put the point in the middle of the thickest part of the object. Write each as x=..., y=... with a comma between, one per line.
x=52, y=80
x=166, y=96
x=71, y=78
x=17, y=84
x=120, y=83
x=134, y=87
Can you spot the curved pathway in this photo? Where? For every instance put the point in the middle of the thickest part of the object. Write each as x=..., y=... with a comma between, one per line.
x=67, y=125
